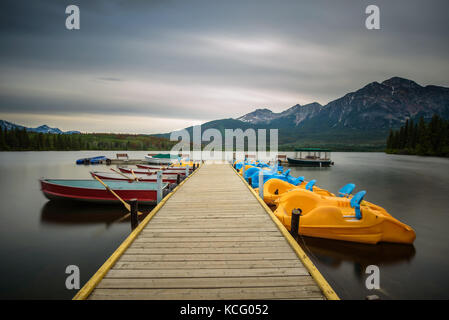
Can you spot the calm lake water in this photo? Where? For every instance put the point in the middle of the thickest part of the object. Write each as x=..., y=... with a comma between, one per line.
x=39, y=239
x=414, y=190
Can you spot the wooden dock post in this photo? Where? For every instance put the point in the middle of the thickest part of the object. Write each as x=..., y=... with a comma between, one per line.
x=134, y=217
x=178, y=179
x=243, y=169
x=294, y=224
x=261, y=183
x=159, y=185
x=187, y=171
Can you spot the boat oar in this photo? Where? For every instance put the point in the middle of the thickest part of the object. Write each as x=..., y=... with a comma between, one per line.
x=135, y=177
x=127, y=206
x=124, y=175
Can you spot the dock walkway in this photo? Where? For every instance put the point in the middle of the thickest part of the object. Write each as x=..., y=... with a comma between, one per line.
x=212, y=239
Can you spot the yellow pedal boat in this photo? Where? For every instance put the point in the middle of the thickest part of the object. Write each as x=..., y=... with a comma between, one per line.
x=339, y=218
x=273, y=189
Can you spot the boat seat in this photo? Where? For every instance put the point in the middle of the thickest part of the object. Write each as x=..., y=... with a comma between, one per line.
x=355, y=203
x=309, y=186
x=298, y=180
x=251, y=172
x=346, y=190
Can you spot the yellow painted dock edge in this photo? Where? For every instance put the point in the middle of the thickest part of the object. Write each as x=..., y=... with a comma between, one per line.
x=90, y=285
x=314, y=272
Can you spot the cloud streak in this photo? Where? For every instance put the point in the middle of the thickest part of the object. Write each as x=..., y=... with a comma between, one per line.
x=205, y=60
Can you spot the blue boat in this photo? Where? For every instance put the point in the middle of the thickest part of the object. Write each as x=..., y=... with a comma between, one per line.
x=92, y=160
x=273, y=173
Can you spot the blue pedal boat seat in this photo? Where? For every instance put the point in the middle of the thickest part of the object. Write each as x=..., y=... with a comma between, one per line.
x=346, y=190
x=297, y=181
x=355, y=203
x=309, y=186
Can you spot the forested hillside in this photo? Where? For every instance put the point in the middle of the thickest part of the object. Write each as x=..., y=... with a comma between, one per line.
x=421, y=138
x=23, y=140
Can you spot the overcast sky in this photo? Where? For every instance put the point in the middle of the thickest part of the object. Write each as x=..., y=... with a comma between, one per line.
x=155, y=66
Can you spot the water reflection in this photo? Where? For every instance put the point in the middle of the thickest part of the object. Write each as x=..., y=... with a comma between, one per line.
x=73, y=213
x=77, y=213
x=333, y=253
x=336, y=258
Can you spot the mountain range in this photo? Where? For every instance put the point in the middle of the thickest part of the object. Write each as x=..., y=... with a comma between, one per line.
x=41, y=129
x=358, y=120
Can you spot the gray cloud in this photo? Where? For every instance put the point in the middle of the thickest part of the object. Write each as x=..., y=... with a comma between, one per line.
x=206, y=59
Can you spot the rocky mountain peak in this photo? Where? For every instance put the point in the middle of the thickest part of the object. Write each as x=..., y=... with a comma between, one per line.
x=41, y=129
x=257, y=116
x=401, y=83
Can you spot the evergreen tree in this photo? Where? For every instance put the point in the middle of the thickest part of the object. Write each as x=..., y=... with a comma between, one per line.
x=410, y=135
x=421, y=138
x=435, y=134
x=390, y=140
x=3, y=145
x=402, y=137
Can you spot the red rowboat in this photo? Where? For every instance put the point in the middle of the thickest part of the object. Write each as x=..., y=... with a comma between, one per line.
x=169, y=178
x=143, y=166
x=152, y=172
x=94, y=191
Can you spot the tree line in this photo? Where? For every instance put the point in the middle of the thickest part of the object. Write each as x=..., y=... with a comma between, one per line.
x=23, y=140
x=421, y=138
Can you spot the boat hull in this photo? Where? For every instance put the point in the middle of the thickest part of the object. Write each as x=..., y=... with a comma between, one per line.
x=170, y=178
x=334, y=218
x=147, y=167
x=152, y=172
x=54, y=190
x=152, y=160
x=309, y=163
x=93, y=160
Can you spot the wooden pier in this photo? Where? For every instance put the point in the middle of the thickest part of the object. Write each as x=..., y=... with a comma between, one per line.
x=212, y=238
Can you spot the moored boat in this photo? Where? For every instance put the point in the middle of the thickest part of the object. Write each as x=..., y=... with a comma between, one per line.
x=94, y=191
x=149, y=167
x=275, y=188
x=181, y=172
x=161, y=158
x=339, y=218
x=311, y=157
x=169, y=178
x=92, y=160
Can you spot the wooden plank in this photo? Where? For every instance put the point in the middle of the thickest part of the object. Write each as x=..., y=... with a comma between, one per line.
x=150, y=229
x=200, y=239
x=230, y=282
x=211, y=225
x=230, y=264
x=190, y=250
x=192, y=234
x=215, y=244
x=235, y=217
x=206, y=218
x=202, y=273
x=209, y=257
x=206, y=294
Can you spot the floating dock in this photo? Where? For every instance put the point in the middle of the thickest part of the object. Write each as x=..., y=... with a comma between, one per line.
x=211, y=238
